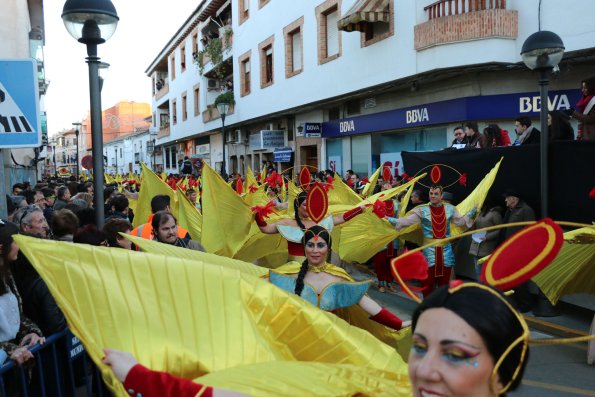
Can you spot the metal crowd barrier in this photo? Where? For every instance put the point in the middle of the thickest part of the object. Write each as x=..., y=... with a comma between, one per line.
x=62, y=368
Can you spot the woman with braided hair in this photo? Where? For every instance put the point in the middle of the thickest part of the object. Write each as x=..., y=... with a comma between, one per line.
x=325, y=285
x=292, y=229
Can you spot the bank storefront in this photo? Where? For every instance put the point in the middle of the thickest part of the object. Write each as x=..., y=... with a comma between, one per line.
x=363, y=143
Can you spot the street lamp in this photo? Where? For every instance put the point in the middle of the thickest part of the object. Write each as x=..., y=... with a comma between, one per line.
x=76, y=133
x=543, y=51
x=223, y=108
x=116, y=157
x=92, y=22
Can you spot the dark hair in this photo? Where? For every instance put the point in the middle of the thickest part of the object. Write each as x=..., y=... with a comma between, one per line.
x=61, y=191
x=29, y=196
x=524, y=120
x=296, y=204
x=47, y=192
x=434, y=187
x=19, y=186
x=89, y=234
x=86, y=216
x=82, y=188
x=309, y=233
x=472, y=125
x=590, y=85
x=160, y=218
x=159, y=203
x=108, y=191
x=458, y=127
x=111, y=229
x=64, y=222
x=492, y=133
x=7, y=230
x=490, y=317
x=560, y=128
x=119, y=202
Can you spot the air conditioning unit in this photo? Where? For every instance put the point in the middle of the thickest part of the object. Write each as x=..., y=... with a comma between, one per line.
x=234, y=136
x=213, y=84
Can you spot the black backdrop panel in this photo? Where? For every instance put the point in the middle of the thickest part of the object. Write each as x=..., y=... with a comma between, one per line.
x=571, y=175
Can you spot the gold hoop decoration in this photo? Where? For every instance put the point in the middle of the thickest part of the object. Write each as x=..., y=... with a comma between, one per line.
x=305, y=178
x=523, y=255
x=437, y=171
x=317, y=203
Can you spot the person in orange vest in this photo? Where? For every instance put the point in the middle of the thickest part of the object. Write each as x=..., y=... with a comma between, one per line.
x=160, y=202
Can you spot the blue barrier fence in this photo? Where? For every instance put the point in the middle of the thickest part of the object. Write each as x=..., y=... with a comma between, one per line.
x=61, y=368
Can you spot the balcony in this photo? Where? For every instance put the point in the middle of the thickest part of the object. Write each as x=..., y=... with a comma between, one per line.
x=212, y=113
x=452, y=21
x=163, y=132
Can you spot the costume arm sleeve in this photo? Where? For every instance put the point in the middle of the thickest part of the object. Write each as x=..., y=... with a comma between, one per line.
x=585, y=118
x=352, y=213
x=411, y=219
x=149, y=383
x=387, y=319
x=463, y=220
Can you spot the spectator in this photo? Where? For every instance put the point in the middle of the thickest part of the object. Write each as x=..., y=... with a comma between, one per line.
x=86, y=216
x=559, y=128
x=186, y=166
x=484, y=244
x=526, y=133
x=89, y=234
x=17, y=332
x=86, y=187
x=495, y=136
x=63, y=197
x=113, y=228
x=585, y=113
x=476, y=140
x=17, y=189
x=461, y=140
x=158, y=203
x=191, y=194
x=118, y=205
x=64, y=224
x=165, y=230
x=88, y=197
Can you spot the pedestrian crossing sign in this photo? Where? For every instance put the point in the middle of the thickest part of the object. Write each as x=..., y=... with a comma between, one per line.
x=20, y=124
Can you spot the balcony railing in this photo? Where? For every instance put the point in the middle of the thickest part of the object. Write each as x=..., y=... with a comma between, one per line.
x=163, y=132
x=212, y=113
x=444, y=8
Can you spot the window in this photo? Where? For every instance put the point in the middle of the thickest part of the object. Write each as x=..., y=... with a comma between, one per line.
x=244, y=10
x=353, y=107
x=377, y=31
x=266, y=62
x=184, y=106
x=194, y=44
x=329, y=37
x=183, y=58
x=174, y=118
x=154, y=119
x=293, y=47
x=244, y=61
x=167, y=162
x=172, y=67
x=196, y=98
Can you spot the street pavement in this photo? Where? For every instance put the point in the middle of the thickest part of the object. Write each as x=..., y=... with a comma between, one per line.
x=552, y=370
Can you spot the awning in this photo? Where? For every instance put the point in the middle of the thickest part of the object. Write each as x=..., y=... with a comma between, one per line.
x=364, y=12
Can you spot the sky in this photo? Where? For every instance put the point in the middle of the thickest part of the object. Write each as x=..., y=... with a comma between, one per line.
x=144, y=29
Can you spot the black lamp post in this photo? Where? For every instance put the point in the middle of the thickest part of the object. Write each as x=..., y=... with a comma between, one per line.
x=92, y=22
x=543, y=51
x=76, y=133
x=116, y=158
x=223, y=108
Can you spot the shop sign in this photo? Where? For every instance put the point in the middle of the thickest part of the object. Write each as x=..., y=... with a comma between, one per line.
x=313, y=130
x=334, y=164
x=203, y=149
x=489, y=107
x=267, y=139
x=282, y=155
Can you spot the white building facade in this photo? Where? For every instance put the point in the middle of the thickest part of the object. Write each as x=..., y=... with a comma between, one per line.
x=126, y=153
x=350, y=84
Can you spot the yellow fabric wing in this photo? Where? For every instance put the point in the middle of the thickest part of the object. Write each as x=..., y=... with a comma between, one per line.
x=371, y=185
x=225, y=215
x=152, y=186
x=191, y=318
x=189, y=217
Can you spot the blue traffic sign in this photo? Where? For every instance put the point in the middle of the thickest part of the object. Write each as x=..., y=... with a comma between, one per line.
x=20, y=124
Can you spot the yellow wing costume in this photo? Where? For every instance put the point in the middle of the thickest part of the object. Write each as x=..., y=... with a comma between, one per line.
x=191, y=318
x=189, y=217
x=152, y=186
x=573, y=270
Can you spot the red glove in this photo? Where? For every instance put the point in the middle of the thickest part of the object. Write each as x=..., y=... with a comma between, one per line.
x=388, y=319
x=151, y=383
x=352, y=213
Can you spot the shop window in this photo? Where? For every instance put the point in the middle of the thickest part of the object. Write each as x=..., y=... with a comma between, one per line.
x=361, y=154
x=334, y=114
x=329, y=38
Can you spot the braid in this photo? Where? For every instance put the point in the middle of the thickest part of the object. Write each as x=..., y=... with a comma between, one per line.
x=299, y=282
x=296, y=204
